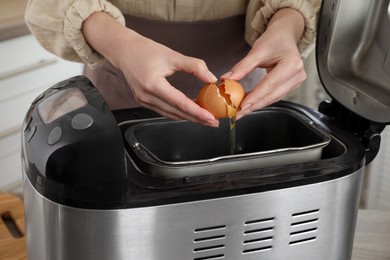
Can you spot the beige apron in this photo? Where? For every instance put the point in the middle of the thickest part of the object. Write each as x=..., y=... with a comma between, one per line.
x=220, y=43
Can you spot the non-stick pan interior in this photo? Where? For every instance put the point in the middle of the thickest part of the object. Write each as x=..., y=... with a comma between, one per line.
x=186, y=142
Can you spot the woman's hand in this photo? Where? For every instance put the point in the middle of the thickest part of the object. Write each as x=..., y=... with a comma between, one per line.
x=146, y=64
x=275, y=50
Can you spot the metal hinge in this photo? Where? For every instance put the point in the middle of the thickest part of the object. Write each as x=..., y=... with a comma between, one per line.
x=366, y=131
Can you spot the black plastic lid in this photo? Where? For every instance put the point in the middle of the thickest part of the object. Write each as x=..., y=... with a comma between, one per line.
x=353, y=55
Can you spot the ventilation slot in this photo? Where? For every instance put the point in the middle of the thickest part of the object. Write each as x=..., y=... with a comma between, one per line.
x=210, y=257
x=258, y=235
x=304, y=227
x=209, y=243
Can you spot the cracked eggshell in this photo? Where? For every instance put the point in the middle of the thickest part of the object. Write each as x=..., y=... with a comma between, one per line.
x=216, y=98
x=235, y=91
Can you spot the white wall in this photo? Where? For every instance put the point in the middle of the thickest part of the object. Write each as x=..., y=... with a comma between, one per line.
x=26, y=70
x=378, y=196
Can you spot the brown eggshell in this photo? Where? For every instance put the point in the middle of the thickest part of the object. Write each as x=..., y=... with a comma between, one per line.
x=209, y=99
x=235, y=90
x=216, y=98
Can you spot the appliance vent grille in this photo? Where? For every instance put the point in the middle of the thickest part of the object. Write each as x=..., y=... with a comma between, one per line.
x=209, y=243
x=258, y=235
x=304, y=227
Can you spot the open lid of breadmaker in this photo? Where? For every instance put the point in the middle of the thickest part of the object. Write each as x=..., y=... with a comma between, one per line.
x=353, y=56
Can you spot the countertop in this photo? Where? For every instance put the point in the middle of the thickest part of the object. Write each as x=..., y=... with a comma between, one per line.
x=12, y=19
x=12, y=229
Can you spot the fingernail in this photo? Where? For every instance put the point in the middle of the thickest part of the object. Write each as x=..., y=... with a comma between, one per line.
x=226, y=75
x=246, y=107
x=244, y=111
x=212, y=77
x=213, y=123
x=239, y=116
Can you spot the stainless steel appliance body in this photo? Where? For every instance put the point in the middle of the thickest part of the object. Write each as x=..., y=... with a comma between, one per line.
x=306, y=222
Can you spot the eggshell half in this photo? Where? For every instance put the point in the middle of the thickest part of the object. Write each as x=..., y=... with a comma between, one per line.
x=210, y=99
x=235, y=91
x=221, y=100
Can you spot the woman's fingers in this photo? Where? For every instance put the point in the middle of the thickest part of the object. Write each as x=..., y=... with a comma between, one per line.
x=281, y=80
x=194, y=66
x=276, y=51
x=243, y=67
x=166, y=100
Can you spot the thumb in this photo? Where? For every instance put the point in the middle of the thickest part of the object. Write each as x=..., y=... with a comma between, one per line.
x=197, y=67
x=241, y=69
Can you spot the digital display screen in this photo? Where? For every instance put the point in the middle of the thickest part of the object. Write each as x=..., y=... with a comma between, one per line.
x=60, y=104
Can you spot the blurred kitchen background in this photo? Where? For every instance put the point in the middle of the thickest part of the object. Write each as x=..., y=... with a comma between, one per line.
x=26, y=70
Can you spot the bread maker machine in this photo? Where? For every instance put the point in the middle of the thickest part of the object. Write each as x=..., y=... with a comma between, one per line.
x=130, y=184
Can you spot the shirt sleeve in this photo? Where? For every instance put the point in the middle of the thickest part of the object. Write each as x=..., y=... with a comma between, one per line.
x=261, y=11
x=57, y=26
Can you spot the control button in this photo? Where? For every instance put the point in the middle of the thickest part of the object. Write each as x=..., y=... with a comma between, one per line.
x=81, y=121
x=31, y=133
x=55, y=135
x=61, y=84
x=38, y=98
x=27, y=123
